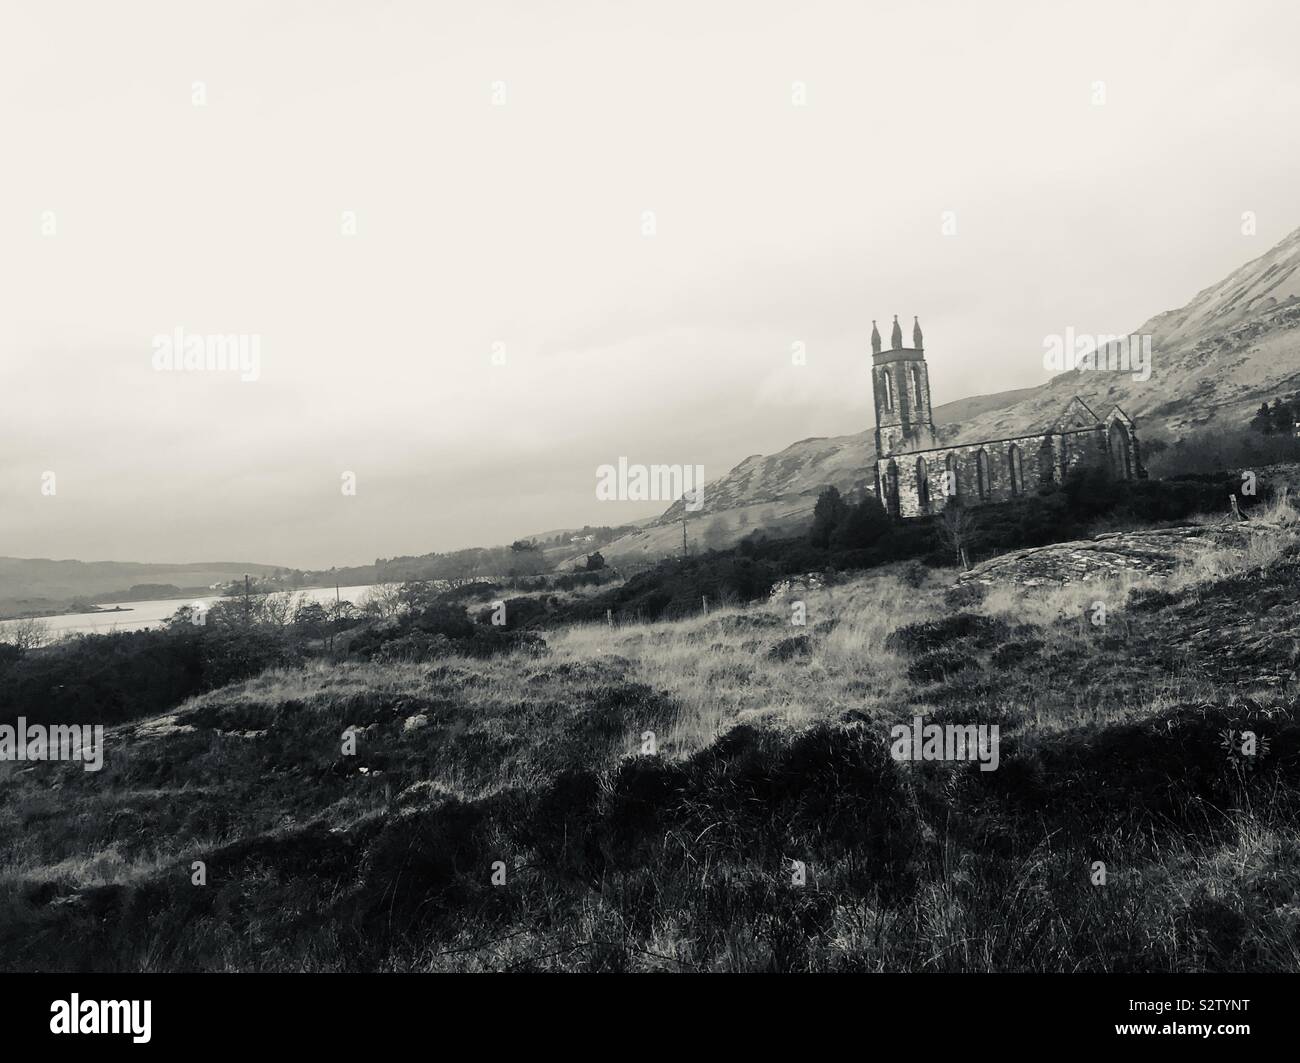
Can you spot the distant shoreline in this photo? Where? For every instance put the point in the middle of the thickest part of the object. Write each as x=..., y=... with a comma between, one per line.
x=51, y=614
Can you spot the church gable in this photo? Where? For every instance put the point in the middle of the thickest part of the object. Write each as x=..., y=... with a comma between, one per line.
x=1116, y=414
x=1078, y=414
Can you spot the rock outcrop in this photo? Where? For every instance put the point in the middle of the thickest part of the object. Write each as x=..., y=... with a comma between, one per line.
x=1156, y=552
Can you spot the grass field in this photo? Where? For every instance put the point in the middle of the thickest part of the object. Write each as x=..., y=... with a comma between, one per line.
x=504, y=813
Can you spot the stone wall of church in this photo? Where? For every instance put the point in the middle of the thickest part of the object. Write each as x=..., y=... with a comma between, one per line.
x=1044, y=458
x=1085, y=448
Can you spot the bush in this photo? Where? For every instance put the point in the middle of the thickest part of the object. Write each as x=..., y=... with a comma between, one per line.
x=982, y=631
x=965, y=595
x=914, y=574
x=939, y=664
x=124, y=675
x=787, y=649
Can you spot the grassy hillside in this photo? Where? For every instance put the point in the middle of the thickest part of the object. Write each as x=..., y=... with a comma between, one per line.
x=772, y=746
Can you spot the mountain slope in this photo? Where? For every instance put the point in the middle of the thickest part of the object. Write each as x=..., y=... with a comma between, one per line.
x=1234, y=345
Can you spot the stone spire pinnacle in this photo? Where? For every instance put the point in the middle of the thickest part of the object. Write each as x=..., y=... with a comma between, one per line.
x=916, y=334
x=896, y=337
x=875, y=337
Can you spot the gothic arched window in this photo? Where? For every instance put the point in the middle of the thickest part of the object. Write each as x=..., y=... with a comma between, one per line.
x=891, y=487
x=922, y=485
x=951, y=481
x=889, y=389
x=1046, y=461
x=916, y=388
x=1017, y=473
x=1120, y=461
x=982, y=474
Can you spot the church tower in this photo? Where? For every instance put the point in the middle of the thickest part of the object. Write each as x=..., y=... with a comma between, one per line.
x=901, y=384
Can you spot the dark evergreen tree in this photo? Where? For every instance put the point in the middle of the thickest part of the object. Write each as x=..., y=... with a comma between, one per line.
x=830, y=510
x=864, y=525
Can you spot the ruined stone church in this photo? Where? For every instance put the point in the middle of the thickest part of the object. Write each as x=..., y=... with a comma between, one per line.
x=917, y=475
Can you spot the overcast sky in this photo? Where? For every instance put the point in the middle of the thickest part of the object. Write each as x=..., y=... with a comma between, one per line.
x=520, y=223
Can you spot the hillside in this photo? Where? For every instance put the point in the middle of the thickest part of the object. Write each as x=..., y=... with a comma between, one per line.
x=1233, y=346
x=35, y=585
x=504, y=813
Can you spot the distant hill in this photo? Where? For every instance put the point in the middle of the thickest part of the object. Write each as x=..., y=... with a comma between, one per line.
x=1233, y=346
x=962, y=410
x=36, y=583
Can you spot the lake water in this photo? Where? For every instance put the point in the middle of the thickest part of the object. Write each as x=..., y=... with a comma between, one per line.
x=153, y=614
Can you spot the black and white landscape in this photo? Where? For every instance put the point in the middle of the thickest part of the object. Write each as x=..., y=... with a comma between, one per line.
x=676, y=487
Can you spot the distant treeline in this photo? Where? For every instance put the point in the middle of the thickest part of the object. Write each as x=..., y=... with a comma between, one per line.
x=1280, y=418
x=524, y=557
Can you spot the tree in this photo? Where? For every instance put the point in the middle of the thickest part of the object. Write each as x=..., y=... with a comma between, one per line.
x=716, y=535
x=957, y=528
x=528, y=562
x=864, y=525
x=382, y=600
x=595, y=562
x=30, y=633
x=311, y=616
x=827, y=514
x=279, y=609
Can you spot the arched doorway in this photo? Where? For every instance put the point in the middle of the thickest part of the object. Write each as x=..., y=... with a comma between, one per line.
x=951, y=480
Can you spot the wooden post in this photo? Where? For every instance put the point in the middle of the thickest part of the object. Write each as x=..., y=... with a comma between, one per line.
x=609, y=617
x=705, y=600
